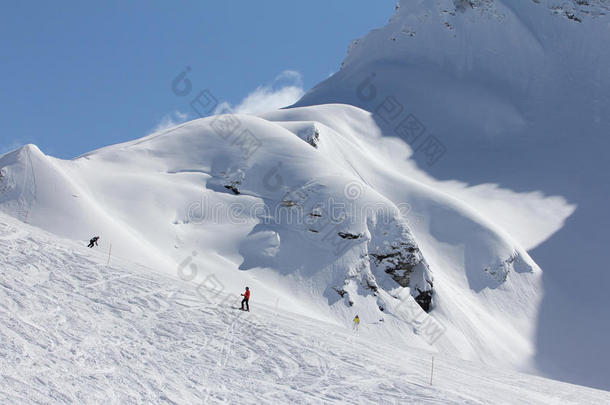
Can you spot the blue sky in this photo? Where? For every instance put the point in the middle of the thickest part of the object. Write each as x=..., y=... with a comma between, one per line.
x=77, y=76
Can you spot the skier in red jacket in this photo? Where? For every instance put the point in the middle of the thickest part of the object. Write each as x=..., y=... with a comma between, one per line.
x=246, y=296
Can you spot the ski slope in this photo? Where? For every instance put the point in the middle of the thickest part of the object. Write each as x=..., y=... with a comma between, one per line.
x=76, y=330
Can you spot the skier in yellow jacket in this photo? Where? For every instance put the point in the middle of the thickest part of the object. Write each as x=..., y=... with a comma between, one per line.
x=356, y=322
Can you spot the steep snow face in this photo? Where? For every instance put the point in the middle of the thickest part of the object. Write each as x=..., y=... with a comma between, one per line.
x=307, y=206
x=505, y=106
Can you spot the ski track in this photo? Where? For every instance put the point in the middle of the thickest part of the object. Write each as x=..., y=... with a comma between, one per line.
x=75, y=331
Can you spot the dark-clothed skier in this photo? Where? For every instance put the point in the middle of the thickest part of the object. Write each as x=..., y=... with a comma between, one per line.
x=93, y=241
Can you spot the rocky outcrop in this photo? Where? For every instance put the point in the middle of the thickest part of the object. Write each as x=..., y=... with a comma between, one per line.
x=229, y=179
x=395, y=253
x=500, y=271
x=347, y=235
x=399, y=261
x=311, y=135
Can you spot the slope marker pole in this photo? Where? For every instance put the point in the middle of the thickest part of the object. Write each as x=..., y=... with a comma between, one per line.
x=432, y=370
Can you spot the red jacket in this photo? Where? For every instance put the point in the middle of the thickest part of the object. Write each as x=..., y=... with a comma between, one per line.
x=247, y=294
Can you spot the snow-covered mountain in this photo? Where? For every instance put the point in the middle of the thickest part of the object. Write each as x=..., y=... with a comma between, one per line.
x=305, y=206
x=507, y=102
x=407, y=189
x=319, y=216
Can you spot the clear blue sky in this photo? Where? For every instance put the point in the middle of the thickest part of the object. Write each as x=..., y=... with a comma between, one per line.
x=78, y=75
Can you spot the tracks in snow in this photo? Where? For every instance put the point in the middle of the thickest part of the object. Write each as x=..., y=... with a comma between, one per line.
x=73, y=330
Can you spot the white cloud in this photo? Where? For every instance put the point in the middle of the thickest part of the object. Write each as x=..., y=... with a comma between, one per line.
x=285, y=90
x=181, y=116
x=171, y=120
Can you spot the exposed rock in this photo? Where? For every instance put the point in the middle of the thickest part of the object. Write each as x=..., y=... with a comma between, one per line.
x=501, y=270
x=229, y=179
x=347, y=235
x=394, y=252
x=316, y=213
x=371, y=283
x=399, y=262
x=233, y=180
x=580, y=9
x=424, y=299
x=312, y=136
x=573, y=17
x=233, y=188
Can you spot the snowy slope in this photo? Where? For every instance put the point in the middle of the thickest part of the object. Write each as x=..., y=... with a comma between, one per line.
x=75, y=330
x=315, y=216
x=318, y=208
x=505, y=106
